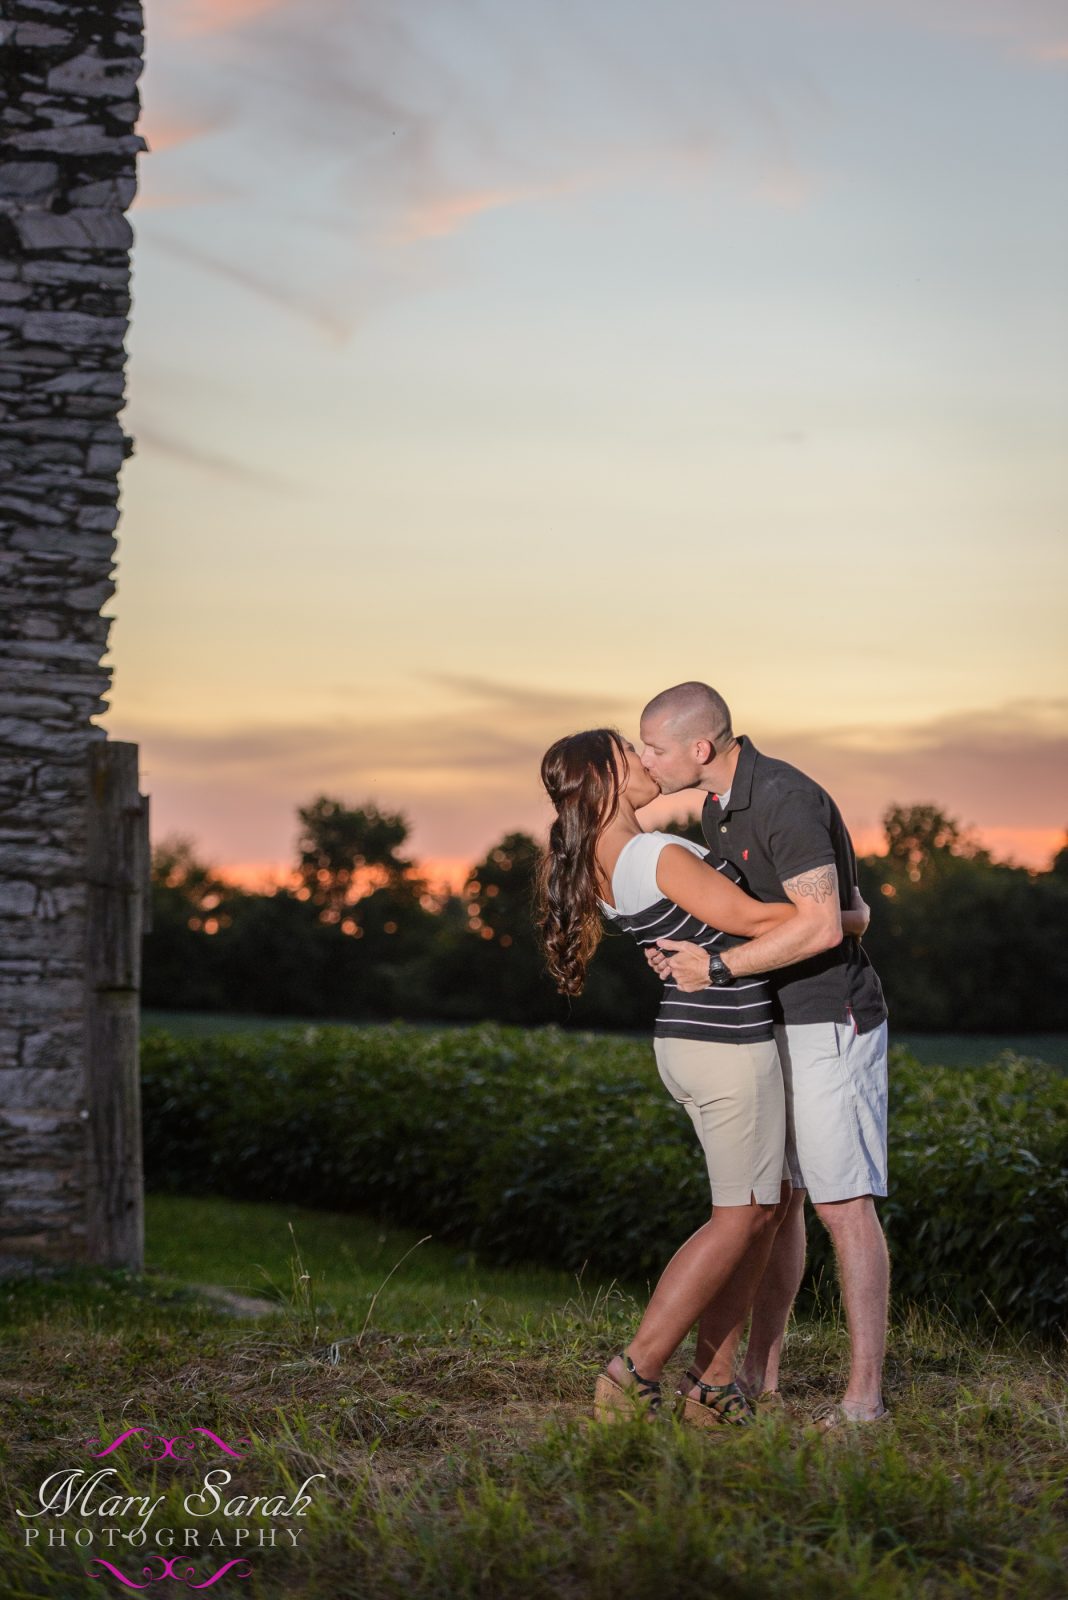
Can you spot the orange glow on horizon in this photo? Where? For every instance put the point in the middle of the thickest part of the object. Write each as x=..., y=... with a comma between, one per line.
x=1026, y=847
x=1019, y=847
x=442, y=872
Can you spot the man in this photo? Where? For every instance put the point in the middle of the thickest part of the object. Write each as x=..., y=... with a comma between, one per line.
x=786, y=836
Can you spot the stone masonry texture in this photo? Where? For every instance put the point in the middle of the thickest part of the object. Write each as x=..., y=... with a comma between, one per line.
x=69, y=107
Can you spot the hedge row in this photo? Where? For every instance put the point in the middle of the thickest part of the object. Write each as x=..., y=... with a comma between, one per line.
x=564, y=1148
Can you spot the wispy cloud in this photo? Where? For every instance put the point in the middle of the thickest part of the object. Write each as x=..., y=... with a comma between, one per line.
x=527, y=700
x=997, y=766
x=1027, y=29
x=294, y=300
x=194, y=455
x=428, y=143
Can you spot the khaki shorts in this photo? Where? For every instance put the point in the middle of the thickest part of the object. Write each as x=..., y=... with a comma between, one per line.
x=836, y=1091
x=735, y=1100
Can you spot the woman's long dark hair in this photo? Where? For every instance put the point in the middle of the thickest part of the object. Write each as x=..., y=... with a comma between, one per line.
x=582, y=779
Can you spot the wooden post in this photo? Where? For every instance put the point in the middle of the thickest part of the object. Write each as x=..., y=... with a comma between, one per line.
x=116, y=913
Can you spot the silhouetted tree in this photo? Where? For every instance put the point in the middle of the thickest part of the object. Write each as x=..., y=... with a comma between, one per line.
x=191, y=907
x=961, y=942
x=1059, y=864
x=343, y=852
x=176, y=865
x=919, y=835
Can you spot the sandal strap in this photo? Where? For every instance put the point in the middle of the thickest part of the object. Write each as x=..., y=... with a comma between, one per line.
x=647, y=1387
x=729, y=1399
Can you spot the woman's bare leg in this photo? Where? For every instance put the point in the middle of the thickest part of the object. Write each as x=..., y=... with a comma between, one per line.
x=705, y=1268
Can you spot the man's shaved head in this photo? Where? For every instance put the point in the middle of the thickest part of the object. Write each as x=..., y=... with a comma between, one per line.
x=692, y=711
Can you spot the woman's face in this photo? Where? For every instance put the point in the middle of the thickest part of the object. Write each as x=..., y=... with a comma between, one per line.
x=638, y=786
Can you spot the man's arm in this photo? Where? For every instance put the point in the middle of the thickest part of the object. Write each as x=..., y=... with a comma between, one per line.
x=817, y=927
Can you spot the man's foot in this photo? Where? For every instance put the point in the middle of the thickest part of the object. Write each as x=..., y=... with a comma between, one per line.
x=842, y=1418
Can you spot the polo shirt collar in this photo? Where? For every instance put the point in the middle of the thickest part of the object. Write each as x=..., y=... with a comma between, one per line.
x=742, y=782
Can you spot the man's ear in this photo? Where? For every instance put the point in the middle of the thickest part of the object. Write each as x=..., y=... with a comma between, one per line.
x=704, y=752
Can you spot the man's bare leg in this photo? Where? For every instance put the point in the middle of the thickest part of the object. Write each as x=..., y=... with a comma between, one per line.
x=718, y=1338
x=864, y=1274
x=774, y=1300
x=723, y=1319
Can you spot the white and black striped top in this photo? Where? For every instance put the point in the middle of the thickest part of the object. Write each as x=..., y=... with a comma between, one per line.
x=738, y=1013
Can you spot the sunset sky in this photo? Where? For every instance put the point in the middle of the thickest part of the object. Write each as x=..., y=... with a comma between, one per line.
x=494, y=364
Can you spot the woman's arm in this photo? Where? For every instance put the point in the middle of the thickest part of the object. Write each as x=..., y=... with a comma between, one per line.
x=707, y=894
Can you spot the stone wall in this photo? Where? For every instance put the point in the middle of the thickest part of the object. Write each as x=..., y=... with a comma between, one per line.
x=68, y=108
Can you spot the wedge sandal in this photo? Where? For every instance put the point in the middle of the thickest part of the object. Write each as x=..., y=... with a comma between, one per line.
x=720, y=1405
x=613, y=1401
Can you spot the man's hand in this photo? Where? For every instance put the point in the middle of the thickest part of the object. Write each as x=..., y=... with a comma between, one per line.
x=688, y=966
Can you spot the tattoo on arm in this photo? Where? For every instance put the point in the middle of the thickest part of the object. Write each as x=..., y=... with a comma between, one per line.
x=820, y=884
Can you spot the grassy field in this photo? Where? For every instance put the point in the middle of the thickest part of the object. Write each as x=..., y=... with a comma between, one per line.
x=933, y=1049
x=447, y=1407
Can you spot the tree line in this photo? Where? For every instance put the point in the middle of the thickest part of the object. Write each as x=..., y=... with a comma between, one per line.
x=962, y=942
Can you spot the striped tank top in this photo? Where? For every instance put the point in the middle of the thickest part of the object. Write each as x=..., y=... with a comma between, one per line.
x=738, y=1013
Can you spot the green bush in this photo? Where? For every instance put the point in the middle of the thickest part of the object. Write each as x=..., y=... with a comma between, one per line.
x=558, y=1147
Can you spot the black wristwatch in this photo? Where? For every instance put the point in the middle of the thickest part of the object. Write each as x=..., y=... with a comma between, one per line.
x=719, y=973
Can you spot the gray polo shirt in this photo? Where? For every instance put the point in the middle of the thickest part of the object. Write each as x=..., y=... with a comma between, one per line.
x=778, y=823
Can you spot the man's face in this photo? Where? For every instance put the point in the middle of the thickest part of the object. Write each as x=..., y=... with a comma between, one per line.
x=672, y=761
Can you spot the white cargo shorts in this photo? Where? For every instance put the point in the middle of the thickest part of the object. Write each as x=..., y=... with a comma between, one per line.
x=836, y=1089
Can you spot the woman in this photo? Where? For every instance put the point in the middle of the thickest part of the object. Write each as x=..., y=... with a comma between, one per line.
x=715, y=1052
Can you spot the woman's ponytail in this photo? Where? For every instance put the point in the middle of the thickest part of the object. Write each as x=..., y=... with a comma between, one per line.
x=582, y=779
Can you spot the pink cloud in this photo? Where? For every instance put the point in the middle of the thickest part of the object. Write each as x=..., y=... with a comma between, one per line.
x=1054, y=52
x=152, y=199
x=446, y=212
x=193, y=18
x=170, y=130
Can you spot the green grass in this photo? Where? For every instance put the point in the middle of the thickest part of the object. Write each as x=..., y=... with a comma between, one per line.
x=454, y=1435
x=932, y=1049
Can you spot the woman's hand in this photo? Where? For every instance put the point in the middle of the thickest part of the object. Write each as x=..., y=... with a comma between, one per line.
x=855, y=921
x=658, y=961
x=687, y=965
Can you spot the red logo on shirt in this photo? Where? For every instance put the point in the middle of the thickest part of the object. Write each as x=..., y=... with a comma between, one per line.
x=745, y=855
